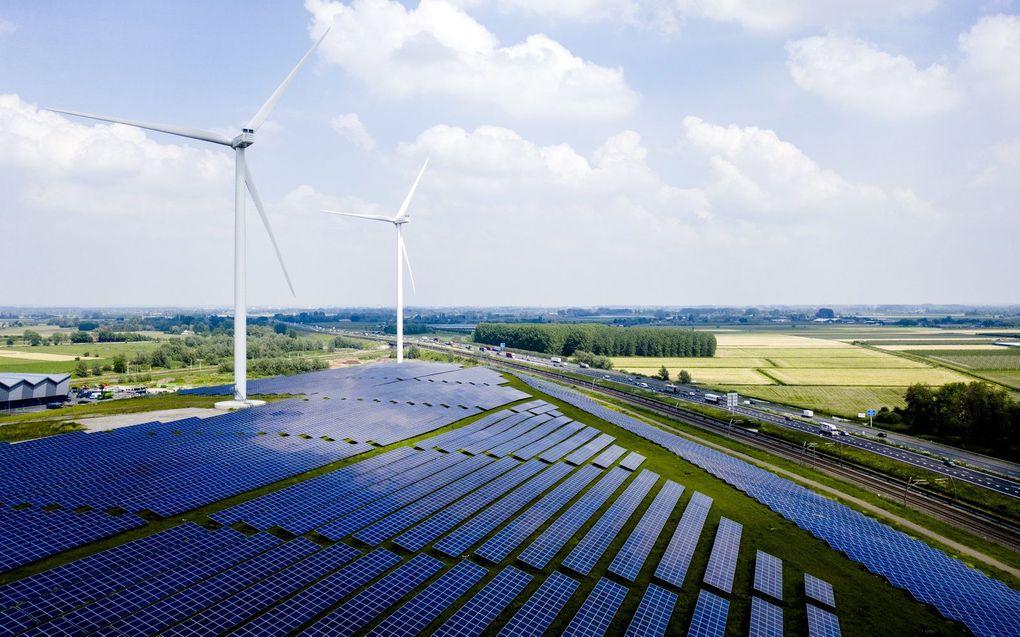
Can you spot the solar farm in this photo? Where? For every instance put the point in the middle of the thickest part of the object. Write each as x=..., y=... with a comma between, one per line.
x=426, y=498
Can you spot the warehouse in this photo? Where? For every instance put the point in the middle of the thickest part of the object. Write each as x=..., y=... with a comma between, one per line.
x=23, y=390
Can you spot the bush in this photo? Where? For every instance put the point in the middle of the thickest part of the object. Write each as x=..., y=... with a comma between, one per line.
x=566, y=339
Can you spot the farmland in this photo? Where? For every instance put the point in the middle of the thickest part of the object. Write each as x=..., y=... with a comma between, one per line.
x=840, y=371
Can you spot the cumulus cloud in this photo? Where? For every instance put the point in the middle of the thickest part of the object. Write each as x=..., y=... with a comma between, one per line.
x=64, y=165
x=991, y=50
x=438, y=49
x=785, y=15
x=758, y=176
x=659, y=15
x=349, y=126
x=860, y=76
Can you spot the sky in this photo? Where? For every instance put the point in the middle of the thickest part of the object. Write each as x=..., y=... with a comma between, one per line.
x=581, y=152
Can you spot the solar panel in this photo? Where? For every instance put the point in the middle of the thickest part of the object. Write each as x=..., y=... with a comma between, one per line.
x=589, y=550
x=224, y=615
x=768, y=575
x=498, y=547
x=632, y=555
x=597, y=611
x=608, y=456
x=567, y=430
x=723, y=561
x=651, y=619
x=290, y=614
x=361, y=609
x=709, y=618
x=415, y=615
x=676, y=558
x=549, y=543
x=819, y=590
x=587, y=451
x=561, y=449
x=479, y=611
x=822, y=623
x=632, y=461
x=766, y=619
x=535, y=616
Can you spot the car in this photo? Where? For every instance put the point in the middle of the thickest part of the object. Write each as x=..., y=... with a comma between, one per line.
x=606, y=376
x=645, y=385
x=54, y=405
x=947, y=462
x=787, y=418
x=882, y=434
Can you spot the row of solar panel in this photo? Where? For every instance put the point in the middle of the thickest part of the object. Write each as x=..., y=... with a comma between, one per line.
x=985, y=605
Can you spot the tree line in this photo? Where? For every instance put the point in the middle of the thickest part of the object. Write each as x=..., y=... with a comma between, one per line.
x=971, y=415
x=565, y=339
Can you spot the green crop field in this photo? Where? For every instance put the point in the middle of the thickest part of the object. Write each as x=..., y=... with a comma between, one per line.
x=998, y=359
x=839, y=400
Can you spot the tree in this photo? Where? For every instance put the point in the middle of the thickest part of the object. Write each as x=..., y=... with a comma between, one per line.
x=10, y=341
x=57, y=338
x=120, y=363
x=825, y=313
x=32, y=338
x=663, y=373
x=684, y=377
x=96, y=369
x=81, y=337
x=81, y=369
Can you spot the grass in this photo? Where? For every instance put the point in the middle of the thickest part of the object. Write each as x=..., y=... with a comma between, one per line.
x=839, y=401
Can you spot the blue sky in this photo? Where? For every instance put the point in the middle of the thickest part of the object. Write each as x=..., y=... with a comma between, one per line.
x=675, y=152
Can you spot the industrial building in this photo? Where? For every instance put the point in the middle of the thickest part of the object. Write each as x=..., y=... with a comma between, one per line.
x=23, y=390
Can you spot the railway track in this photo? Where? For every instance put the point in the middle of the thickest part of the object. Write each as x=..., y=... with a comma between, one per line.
x=972, y=519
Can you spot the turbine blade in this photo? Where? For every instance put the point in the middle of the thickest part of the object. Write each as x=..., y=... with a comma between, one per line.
x=407, y=261
x=181, y=131
x=359, y=216
x=407, y=199
x=267, y=108
x=265, y=221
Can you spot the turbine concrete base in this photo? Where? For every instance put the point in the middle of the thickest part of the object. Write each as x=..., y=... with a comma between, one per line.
x=231, y=405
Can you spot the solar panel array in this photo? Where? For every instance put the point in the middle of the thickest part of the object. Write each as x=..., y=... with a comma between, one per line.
x=676, y=559
x=478, y=612
x=609, y=456
x=768, y=575
x=709, y=619
x=822, y=623
x=30, y=534
x=632, y=461
x=599, y=443
x=819, y=590
x=597, y=611
x=766, y=619
x=541, y=609
x=418, y=613
x=631, y=557
x=985, y=605
x=651, y=619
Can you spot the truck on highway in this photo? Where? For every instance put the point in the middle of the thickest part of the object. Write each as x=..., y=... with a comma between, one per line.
x=556, y=361
x=712, y=398
x=807, y=413
x=826, y=429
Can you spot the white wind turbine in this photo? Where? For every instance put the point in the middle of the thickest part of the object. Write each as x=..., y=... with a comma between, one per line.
x=398, y=220
x=242, y=177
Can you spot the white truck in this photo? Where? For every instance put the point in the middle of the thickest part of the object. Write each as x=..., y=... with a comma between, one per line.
x=556, y=361
x=826, y=429
x=807, y=413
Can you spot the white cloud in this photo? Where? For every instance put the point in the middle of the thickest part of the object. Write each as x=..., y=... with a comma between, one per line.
x=784, y=15
x=758, y=177
x=438, y=49
x=862, y=77
x=991, y=52
x=350, y=127
x=62, y=165
x=659, y=15
x=7, y=27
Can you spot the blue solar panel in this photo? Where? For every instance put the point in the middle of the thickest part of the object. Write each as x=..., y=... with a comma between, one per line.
x=676, y=558
x=819, y=590
x=549, y=543
x=544, y=443
x=459, y=541
x=561, y=449
x=608, y=456
x=524, y=434
x=498, y=547
x=822, y=623
x=989, y=608
x=587, y=451
x=478, y=612
x=766, y=619
x=447, y=518
x=597, y=611
x=723, y=561
x=224, y=615
x=709, y=618
x=632, y=461
x=632, y=555
x=651, y=619
x=535, y=616
x=589, y=550
x=295, y=611
x=768, y=575
x=415, y=615
x=361, y=609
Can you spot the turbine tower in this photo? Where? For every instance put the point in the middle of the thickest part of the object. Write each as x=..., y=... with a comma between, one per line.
x=242, y=178
x=398, y=220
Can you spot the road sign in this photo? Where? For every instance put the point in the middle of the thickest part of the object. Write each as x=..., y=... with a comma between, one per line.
x=871, y=412
x=732, y=399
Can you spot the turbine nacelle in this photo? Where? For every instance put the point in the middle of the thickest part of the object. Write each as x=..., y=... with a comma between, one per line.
x=245, y=139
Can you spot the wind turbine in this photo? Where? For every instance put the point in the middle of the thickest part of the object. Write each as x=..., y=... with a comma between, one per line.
x=397, y=220
x=242, y=177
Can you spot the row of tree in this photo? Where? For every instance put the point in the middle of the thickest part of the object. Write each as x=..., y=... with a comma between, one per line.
x=972, y=415
x=565, y=339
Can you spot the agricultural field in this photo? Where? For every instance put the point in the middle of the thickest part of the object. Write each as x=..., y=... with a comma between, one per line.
x=840, y=371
